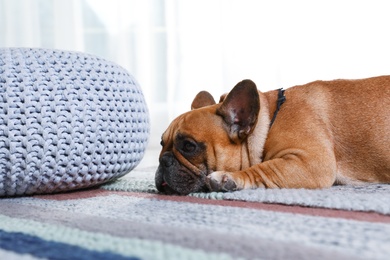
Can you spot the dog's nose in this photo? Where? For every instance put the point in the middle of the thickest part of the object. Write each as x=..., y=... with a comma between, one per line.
x=167, y=160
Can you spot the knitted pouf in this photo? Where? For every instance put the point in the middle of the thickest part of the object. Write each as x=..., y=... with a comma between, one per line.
x=68, y=120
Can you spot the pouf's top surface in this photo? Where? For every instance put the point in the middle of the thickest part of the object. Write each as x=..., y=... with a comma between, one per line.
x=68, y=120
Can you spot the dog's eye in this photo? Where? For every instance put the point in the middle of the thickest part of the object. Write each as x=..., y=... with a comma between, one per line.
x=189, y=146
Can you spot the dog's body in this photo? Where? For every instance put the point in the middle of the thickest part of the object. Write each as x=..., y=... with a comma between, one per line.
x=325, y=133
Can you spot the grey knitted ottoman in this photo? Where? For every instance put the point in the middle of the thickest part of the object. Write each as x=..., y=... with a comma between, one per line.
x=68, y=120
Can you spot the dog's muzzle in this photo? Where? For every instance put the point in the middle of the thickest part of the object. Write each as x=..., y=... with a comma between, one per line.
x=174, y=178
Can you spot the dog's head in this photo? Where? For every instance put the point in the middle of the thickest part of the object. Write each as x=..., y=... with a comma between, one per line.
x=208, y=138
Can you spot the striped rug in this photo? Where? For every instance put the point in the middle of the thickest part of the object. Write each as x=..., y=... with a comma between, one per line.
x=128, y=219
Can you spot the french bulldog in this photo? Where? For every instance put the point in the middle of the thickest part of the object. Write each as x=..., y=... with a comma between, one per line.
x=311, y=136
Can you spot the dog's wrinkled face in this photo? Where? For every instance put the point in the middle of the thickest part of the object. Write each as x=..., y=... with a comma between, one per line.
x=206, y=139
x=184, y=162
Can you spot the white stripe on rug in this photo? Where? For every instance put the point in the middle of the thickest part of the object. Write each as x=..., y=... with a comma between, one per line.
x=369, y=198
x=7, y=255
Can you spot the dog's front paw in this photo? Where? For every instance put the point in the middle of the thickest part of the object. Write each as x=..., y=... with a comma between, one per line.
x=221, y=181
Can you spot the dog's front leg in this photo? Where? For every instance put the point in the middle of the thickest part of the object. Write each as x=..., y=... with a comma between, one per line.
x=289, y=172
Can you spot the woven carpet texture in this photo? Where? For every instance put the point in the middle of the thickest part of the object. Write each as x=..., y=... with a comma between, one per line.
x=128, y=219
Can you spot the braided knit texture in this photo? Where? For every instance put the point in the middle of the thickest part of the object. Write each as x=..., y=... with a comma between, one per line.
x=68, y=120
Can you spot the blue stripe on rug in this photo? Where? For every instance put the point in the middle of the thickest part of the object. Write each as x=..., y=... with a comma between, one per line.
x=26, y=244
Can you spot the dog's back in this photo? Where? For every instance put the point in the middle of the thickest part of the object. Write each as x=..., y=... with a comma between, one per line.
x=356, y=116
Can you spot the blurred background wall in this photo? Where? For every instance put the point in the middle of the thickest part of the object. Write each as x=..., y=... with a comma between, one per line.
x=175, y=48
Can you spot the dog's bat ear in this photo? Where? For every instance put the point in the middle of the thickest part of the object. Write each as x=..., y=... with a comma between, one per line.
x=203, y=99
x=240, y=109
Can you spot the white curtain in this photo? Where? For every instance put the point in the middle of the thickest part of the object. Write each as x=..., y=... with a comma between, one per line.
x=176, y=48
